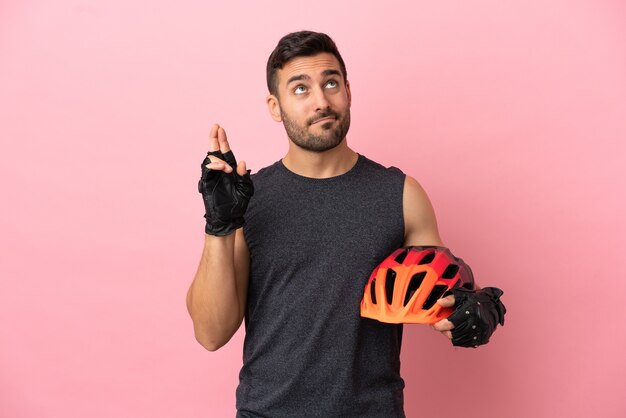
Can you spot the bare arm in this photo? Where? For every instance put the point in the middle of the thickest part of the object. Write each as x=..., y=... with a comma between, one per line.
x=420, y=223
x=421, y=229
x=216, y=299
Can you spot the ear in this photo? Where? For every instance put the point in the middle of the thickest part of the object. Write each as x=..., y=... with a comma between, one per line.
x=274, y=107
x=348, y=93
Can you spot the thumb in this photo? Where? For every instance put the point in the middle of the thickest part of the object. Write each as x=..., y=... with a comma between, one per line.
x=241, y=168
x=446, y=302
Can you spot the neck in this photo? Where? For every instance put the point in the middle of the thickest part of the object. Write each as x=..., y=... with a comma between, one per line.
x=331, y=163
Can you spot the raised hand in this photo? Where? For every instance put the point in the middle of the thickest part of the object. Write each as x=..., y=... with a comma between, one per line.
x=226, y=186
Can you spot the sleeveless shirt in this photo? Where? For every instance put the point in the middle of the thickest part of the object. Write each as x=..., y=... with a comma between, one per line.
x=313, y=244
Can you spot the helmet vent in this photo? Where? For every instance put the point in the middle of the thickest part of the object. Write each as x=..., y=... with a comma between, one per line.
x=450, y=271
x=390, y=281
x=428, y=258
x=400, y=257
x=373, y=290
x=414, y=284
x=436, y=293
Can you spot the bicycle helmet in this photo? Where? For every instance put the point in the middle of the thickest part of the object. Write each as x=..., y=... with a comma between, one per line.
x=405, y=287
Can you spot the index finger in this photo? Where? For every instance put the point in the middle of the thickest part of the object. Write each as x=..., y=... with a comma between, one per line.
x=223, y=141
x=447, y=302
x=214, y=144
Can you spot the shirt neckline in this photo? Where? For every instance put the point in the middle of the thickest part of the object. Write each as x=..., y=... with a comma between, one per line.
x=350, y=172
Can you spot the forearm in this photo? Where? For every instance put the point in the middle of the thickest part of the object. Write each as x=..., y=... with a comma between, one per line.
x=212, y=299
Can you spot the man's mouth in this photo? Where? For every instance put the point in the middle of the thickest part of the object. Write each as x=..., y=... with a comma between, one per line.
x=326, y=119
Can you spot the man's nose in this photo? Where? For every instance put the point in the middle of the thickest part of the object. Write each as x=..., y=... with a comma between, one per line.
x=321, y=101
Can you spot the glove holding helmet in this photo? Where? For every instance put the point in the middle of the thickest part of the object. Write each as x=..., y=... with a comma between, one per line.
x=411, y=286
x=477, y=314
x=226, y=187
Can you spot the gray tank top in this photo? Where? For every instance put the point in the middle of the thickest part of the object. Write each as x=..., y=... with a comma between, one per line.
x=313, y=244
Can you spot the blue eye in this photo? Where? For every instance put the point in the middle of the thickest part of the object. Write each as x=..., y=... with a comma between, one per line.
x=331, y=84
x=299, y=90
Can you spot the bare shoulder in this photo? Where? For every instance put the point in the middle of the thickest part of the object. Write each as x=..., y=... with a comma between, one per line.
x=420, y=222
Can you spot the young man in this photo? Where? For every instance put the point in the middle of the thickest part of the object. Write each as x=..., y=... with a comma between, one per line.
x=317, y=222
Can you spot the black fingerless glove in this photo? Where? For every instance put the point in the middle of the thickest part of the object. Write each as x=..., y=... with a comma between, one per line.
x=226, y=195
x=477, y=314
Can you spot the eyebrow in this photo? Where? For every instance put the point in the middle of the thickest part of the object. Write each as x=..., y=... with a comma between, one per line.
x=299, y=77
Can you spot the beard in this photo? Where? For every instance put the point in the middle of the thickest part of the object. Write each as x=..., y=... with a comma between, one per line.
x=328, y=139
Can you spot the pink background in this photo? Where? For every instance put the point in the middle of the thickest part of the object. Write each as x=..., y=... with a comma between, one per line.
x=512, y=115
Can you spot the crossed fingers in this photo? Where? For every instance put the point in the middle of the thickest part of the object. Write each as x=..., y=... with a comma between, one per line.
x=219, y=143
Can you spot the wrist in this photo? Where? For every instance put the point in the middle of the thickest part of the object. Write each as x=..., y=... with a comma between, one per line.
x=219, y=241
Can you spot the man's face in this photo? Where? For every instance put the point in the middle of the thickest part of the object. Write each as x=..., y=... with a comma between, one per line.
x=313, y=102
